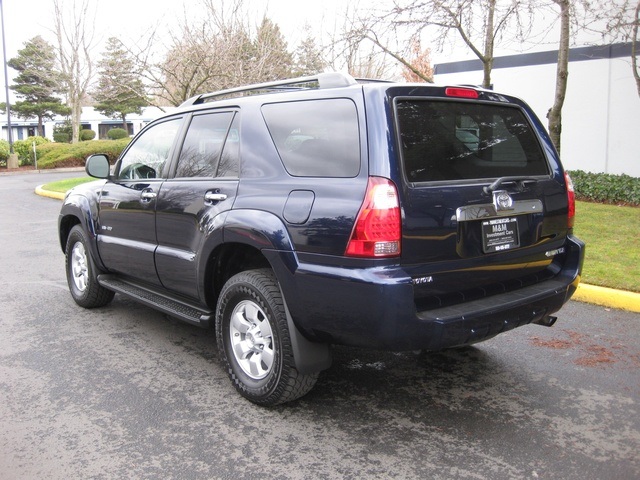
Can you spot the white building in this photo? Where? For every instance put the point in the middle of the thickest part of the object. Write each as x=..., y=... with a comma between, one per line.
x=601, y=113
x=90, y=119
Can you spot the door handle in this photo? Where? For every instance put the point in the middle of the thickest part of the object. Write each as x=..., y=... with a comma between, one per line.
x=148, y=195
x=214, y=197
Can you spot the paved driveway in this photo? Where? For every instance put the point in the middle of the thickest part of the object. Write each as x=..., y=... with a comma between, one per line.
x=123, y=392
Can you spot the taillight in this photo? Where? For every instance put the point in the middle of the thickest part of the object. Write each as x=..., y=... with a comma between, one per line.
x=376, y=232
x=571, y=200
x=461, y=92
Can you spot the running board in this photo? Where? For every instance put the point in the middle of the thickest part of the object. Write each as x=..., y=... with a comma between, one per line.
x=175, y=308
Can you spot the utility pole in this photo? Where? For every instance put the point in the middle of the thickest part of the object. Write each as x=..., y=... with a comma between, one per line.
x=12, y=161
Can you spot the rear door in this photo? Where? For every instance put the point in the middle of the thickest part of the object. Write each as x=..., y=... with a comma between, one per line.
x=189, y=204
x=482, y=202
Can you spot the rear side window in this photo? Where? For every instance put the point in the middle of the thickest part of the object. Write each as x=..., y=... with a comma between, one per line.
x=316, y=138
x=204, y=151
x=461, y=141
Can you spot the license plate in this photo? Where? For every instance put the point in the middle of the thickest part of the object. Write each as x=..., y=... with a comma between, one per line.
x=500, y=234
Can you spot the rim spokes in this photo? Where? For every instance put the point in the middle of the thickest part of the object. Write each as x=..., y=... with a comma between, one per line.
x=252, y=339
x=79, y=270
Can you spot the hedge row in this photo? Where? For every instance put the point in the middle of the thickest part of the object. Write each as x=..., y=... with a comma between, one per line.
x=23, y=148
x=606, y=188
x=56, y=155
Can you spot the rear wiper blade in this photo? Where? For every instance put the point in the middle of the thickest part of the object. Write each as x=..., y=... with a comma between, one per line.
x=521, y=183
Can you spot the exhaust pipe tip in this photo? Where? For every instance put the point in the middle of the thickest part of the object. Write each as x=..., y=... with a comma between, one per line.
x=546, y=321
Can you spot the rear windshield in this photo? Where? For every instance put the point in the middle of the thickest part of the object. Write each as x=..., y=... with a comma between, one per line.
x=444, y=140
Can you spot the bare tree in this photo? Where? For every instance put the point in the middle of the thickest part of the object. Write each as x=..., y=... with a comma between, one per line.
x=421, y=61
x=363, y=45
x=562, y=73
x=196, y=55
x=635, y=46
x=415, y=69
x=623, y=23
x=222, y=50
x=361, y=59
x=573, y=16
x=479, y=24
x=73, y=29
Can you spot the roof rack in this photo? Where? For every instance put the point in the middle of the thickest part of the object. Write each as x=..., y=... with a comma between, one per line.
x=322, y=80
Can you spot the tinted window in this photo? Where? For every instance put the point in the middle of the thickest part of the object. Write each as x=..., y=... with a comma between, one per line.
x=318, y=138
x=458, y=141
x=202, y=147
x=230, y=159
x=149, y=153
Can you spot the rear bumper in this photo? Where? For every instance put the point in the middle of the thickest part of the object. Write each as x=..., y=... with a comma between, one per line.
x=374, y=307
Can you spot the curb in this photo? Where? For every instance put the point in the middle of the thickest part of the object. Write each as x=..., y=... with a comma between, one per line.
x=605, y=297
x=48, y=193
x=608, y=297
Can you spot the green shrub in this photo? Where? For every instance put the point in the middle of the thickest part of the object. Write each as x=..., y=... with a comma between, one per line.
x=63, y=132
x=56, y=155
x=24, y=148
x=606, y=188
x=61, y=137
x=117, y=133
x=4, y=151
x=87, y=135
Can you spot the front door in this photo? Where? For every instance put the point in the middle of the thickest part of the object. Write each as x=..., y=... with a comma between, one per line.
x=126, y=221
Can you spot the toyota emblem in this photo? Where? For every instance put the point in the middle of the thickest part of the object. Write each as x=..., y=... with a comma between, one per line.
x=502, y=200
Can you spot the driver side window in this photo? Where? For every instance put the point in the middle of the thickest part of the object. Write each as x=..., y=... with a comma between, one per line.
x=147, y=157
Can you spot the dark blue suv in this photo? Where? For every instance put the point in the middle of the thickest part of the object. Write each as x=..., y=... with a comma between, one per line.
x=323, y=210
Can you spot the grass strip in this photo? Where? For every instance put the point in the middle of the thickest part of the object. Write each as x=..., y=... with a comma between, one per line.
x=612, y=235
x=63, y=186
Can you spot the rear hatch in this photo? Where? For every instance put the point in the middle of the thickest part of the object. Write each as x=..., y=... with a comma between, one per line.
x=483, y=197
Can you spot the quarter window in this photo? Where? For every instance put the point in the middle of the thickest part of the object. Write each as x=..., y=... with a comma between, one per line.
x=316, y=138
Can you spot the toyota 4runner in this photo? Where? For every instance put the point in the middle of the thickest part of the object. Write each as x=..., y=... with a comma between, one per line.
x=323, y=210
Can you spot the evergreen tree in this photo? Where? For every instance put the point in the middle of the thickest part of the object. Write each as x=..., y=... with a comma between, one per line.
x=309, y=57
x=37, y=83
x=120, y=90
x=271, y=59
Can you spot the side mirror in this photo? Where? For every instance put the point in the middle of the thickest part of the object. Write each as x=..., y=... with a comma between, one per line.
x=97, y=166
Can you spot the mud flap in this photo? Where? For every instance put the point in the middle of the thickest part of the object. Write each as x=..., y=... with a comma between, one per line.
x=310, y=357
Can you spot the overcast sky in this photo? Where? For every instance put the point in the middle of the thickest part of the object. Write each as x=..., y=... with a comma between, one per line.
x=129, y=20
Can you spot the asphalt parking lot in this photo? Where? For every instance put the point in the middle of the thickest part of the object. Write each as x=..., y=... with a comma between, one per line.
x=124, y=392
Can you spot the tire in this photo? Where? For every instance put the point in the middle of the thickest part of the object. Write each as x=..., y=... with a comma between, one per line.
x=254, y=342
x=82, y=274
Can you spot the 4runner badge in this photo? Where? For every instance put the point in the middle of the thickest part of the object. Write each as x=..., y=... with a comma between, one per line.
x=502, y=200
x=422, y=280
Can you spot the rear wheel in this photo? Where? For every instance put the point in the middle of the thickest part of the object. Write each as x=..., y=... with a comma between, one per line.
x=254, y=342
x=82, y=273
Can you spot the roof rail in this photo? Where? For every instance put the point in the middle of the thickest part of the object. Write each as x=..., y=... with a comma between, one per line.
x=322, y=80
x=372, y=80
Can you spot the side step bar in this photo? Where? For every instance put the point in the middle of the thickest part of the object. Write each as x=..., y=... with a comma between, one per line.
x=182, y=310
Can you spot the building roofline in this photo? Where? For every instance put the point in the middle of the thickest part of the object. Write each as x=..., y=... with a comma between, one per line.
x=578, y=54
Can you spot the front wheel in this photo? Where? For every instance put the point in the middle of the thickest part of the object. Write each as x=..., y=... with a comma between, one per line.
x=254, y=342
x=82, y=275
